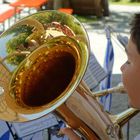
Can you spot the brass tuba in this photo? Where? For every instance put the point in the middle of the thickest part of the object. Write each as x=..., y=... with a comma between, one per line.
x=43, y=58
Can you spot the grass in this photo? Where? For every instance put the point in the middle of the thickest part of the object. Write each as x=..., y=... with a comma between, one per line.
x=85, y=19
x=88, y=19
x=125, y=2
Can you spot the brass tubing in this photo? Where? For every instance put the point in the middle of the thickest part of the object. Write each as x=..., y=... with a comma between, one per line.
x=119, y=89
x=125, y=116
x=73, y=121
x=15, y=54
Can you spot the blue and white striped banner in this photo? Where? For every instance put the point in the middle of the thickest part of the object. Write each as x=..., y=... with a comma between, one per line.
x=108, y=66
x=5, y=132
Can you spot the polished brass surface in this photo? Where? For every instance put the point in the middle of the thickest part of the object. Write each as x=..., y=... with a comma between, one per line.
x=45, y=56
x=120, y=119
x=117, y=89
x=47, y=71
x=43, y=59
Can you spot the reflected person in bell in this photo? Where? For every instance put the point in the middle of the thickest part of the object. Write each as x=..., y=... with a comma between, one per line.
x=130, y=71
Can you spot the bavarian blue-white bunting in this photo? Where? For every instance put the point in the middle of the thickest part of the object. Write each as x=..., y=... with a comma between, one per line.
x=108, y=66
x=5, y=132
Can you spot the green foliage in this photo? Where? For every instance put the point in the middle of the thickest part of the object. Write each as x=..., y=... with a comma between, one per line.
x=116, y=0
x=20, y=33
x=125, y=2
x=134, y=0
x=20, y=29
x=64, y=19
x=86, y=19
x=14, y=45
x=43, y=18
x=23, y=34
x=15, y=60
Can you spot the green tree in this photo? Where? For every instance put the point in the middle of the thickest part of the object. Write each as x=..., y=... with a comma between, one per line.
x=16, y=44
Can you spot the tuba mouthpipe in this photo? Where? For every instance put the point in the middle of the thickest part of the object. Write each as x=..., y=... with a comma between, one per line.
x=119, y=89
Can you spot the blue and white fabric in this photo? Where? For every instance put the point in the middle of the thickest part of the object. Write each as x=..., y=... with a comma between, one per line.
x=108, y=67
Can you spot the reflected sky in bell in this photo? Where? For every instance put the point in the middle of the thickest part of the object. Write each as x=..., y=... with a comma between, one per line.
x=3, y=53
